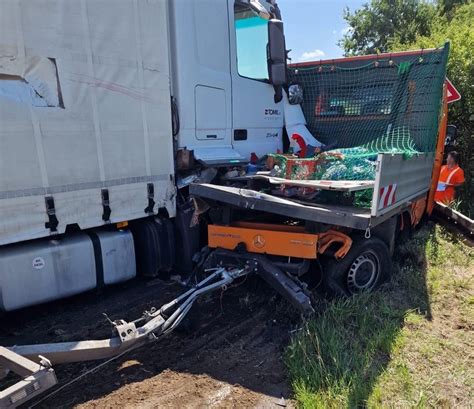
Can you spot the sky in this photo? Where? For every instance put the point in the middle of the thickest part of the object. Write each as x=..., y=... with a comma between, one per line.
x=313, y=27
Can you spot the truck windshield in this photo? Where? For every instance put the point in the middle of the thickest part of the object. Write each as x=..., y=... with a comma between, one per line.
x=251, y=34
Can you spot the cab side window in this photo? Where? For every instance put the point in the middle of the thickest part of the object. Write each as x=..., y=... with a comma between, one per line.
x=251, y=34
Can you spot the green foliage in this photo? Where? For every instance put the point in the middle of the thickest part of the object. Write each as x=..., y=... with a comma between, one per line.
x=447, y=7
x=456, y=26
x=378, y=23
x=335, y=361
x=459, y=31
x=394, y=25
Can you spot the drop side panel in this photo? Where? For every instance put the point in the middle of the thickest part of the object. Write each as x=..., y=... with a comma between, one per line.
x=400, y=179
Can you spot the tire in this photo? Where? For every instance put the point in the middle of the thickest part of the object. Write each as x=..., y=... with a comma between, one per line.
x=367, y=265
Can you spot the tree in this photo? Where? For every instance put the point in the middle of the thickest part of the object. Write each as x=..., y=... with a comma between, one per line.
x=457, y=28
x=379, y=23
x=459, y=31
x=447, y=7
x=394, y=25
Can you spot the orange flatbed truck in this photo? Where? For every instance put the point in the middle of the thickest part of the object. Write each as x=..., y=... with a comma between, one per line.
x=352, y=245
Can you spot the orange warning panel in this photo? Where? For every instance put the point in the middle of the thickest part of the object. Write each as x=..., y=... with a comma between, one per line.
x=264, y=240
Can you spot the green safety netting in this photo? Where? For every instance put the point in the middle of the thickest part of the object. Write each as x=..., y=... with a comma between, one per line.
x=378, y=104
x=361, y=107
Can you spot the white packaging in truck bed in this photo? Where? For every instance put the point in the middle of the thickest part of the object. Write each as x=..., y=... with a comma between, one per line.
x=84, y=106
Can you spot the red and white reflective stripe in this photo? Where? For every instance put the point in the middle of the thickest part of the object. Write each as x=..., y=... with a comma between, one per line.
x=448, y=180
x=387, y=196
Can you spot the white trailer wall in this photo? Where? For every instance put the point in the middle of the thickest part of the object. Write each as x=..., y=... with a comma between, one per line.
x=84, y=105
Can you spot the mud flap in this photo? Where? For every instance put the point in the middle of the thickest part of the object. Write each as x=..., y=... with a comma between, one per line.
x=188, y=237
x=286, y=286
x=154, y=246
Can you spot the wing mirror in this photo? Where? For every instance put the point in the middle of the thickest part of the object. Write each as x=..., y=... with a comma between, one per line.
x=295, y=94
x=276, y=57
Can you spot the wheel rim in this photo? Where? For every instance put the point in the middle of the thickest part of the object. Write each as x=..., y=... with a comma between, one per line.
x=363, y=272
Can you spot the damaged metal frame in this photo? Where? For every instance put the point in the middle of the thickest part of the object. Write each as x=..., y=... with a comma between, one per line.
x=34, y=362
x=37, y=377
x=286, y=285
x=399, y=181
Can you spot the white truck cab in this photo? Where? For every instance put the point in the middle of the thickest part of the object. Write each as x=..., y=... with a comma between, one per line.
x=220, y=79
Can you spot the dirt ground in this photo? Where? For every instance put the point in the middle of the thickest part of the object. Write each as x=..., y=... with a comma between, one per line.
x=232, y=358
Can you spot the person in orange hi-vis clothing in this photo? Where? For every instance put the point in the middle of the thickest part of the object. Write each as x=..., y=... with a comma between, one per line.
x=450, y=177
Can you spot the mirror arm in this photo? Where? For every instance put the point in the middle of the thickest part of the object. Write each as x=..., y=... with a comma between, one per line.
x=278, y=93
x=275, y=10
x=261, y=11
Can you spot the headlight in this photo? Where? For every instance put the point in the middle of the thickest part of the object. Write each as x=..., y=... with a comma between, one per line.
x=295, y=96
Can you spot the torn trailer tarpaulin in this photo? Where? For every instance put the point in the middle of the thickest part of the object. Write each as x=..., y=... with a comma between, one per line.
x=30, y=80
x=114, y=132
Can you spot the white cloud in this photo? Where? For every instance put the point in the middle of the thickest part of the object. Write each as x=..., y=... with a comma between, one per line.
x=311, y=55
x=346, y=30
x=334, y=32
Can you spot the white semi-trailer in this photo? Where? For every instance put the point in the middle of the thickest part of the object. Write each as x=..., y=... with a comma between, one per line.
x=96, y=98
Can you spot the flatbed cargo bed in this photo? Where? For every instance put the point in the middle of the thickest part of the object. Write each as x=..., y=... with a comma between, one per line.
x=347, y=216
x=399, y=181
x=334, y=185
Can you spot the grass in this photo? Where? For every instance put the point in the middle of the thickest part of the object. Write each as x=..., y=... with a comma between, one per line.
x=456, y=205
x=409, y=345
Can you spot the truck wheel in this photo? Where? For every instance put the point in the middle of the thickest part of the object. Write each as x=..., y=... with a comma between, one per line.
x=366, y=266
